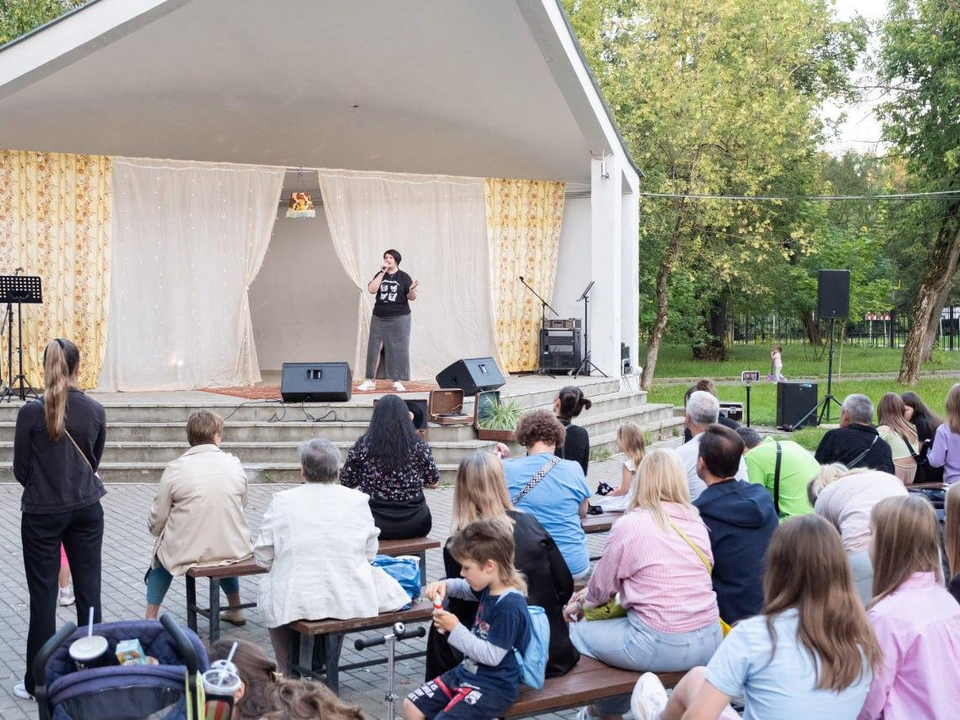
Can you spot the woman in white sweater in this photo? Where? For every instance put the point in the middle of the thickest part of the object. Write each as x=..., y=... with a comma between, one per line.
x=317, y=541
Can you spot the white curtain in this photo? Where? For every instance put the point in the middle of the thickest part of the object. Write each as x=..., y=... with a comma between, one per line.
x=189, y=239
x=438, y=224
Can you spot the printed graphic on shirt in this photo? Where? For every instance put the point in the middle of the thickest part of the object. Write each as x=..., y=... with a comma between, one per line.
x=389, y=290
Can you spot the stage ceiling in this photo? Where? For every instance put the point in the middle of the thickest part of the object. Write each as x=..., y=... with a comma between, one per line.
x=488, y=88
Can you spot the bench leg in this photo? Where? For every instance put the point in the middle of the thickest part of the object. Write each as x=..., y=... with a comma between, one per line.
x=423, y=569
x=192, y=603
x=304, y=650
x=332, y=645
x=214, y=610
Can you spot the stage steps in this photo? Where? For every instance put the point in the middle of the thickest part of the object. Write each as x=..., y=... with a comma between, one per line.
x=144, y=437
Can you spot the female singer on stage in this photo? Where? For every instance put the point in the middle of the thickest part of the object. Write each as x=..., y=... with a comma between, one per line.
x=389, y=340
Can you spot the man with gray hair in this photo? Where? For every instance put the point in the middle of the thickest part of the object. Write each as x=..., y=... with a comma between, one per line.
x=702, y=410
x=856, y=442
x=319, y=461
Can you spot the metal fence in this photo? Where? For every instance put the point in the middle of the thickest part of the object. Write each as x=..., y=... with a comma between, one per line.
x=770, y=329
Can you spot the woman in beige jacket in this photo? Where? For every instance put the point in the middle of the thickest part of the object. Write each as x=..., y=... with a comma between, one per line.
x=197, y=515
x=317, y=541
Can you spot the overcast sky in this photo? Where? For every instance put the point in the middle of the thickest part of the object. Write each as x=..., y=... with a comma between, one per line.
x=861, y=129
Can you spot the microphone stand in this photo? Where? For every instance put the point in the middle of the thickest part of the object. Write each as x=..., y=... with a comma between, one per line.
x=543, y=321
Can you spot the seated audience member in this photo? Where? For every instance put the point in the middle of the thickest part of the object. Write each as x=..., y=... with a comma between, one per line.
x=706, y=386
x=392, y=464
x=916, y=621
x=657, y=558
x=900, y=435
x=846, y=498
x=926, y=422
x=951, y=539
x=741, y=519
x=810, y=654
x=554, y=491
x=317, y=541
x=265, y=695
x=197, y=515
x=480, y=493
x=945, y=452
x=797, y=468
x=631, y=443
x=856, y=442
x=569, y=403
x=702, y=409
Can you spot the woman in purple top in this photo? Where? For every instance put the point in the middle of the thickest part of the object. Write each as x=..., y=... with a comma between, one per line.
x=945, y=452
x=916, y=621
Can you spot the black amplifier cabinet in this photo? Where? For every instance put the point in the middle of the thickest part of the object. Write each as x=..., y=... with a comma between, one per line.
x=562, y=349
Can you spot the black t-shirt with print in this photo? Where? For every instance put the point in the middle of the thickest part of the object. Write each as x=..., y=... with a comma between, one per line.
x=392, y=295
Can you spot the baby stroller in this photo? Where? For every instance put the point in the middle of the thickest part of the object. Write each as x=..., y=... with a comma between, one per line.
x=121, y=692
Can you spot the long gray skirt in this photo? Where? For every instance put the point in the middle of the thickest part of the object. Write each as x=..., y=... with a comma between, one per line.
x=388, y=348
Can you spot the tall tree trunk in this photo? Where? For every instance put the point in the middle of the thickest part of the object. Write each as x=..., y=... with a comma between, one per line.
x=941, y=267
x=663, y=282
x=811, y=328
x=933, y=325
x=714, y=345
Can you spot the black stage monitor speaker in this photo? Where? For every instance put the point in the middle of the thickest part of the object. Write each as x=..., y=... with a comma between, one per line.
x=833, y=294
x=316, y=382
x=561, y=348
x=472, y=375
x=794, y=400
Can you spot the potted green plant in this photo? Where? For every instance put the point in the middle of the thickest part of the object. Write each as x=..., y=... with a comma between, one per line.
x=495, y=419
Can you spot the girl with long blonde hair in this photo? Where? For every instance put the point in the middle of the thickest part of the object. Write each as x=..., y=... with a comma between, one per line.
x=916, y=621
x=480, y=493
x=630, y=442
x=57, y=447
x=900, y=435
x=945, y=451
x=657, y=564
x=810, y=653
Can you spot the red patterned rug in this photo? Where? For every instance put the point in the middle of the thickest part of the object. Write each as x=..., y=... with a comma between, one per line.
x=272, y=392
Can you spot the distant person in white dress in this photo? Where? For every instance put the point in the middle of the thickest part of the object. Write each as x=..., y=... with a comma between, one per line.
x=630, y=442
x=776, y=360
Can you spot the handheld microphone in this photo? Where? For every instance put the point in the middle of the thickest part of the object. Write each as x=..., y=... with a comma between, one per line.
x=18, y=271
x=521, y=278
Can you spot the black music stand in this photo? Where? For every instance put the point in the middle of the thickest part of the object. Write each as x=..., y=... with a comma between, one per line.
x=543, y=323
x=587, y=365
x=18, y=289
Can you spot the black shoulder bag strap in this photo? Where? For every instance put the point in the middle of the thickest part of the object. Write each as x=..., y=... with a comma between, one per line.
x=913, y=453
x=541, y=473
x=776, y=479
x=860, y=458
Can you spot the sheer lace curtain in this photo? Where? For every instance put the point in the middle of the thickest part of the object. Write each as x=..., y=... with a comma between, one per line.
x=188, y=239
x=438, y=225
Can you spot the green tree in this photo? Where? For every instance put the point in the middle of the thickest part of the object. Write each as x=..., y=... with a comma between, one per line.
x=18, y=17
x=715, y=98
x=920, y=64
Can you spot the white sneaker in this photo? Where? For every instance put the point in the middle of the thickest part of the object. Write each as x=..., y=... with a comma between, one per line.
x=398, y=386
x=649, y=698
x=65, y=596
x=366, y=385
x=20, y=690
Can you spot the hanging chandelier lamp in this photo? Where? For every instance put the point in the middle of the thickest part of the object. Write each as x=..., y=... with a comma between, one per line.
x=301, y=204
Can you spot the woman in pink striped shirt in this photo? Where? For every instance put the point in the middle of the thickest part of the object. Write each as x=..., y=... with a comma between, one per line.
x=917, y=622
x=656, y=559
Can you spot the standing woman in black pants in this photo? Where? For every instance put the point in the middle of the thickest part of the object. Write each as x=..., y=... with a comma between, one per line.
x=566, y=406
x=57, y=448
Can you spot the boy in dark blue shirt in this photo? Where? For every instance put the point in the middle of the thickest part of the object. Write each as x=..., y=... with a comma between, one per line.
x=487, y=682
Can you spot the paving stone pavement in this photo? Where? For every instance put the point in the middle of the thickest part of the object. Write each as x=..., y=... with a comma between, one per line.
x=126, y=551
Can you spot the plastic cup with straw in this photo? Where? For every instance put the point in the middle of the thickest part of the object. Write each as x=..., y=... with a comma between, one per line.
x=220, y=685
x=87, y=651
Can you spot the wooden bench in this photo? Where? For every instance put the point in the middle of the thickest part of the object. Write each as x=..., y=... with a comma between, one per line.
x=413, y=546
x=590, y=680
x=599, y=523
x=324, y=664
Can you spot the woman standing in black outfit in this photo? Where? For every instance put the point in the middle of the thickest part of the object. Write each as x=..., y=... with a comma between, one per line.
x=568, y=405
x=392, y=464
x=480, y=493
x=926, y=423
x=57, y=447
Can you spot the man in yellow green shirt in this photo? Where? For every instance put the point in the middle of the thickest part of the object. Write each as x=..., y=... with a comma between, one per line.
x=797, y=468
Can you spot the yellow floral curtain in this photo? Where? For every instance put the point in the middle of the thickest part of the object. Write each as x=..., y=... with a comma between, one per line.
x=55, y=222
x=523, y=227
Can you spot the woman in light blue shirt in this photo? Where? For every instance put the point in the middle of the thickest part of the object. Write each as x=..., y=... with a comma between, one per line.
x=781, y=674
x=558, y=498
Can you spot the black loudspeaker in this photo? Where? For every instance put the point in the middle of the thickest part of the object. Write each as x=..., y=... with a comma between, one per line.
x=794, y=400
x=561, y=349
x=316, y=382
x=833, y=294
x=472, y=375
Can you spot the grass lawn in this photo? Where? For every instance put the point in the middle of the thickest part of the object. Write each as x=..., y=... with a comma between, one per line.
x=676, y=361
x=763, y=399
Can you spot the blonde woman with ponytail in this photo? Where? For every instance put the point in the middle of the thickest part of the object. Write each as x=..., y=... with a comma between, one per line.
x=57, y=448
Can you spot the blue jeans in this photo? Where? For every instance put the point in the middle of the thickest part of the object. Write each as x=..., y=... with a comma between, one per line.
x=158, y=582
x=631, y=644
